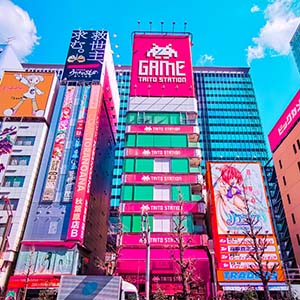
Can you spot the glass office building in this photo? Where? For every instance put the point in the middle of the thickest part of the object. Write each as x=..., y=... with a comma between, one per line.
x=295, y=45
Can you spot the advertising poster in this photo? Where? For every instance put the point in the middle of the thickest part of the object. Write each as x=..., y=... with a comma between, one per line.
x=86, y=55
x=45, y=262
x=26, y=94
x=85, y=167
x=161, y=66
x=232, y=184
x=77, y=142
x=59, y=145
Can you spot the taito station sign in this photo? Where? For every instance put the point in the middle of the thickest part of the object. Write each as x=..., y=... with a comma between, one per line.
x=161, y=66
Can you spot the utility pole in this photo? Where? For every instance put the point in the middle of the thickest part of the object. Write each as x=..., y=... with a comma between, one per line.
x=146, y=239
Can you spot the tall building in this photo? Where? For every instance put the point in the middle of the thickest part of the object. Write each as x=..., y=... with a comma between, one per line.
x=161, y=178
x=295, y=44
x=66, y=230
x=285, y=146
x=27, y=101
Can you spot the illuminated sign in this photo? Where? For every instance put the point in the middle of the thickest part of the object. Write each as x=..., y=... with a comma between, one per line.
x=151, y=178
x=161, y=152
x=290, y=116
x=161, y=66
x=161, y=129
x=86, y=55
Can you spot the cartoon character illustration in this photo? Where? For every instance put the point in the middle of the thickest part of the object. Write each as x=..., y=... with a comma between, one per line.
x=46, y=263
x=229, y=196
x=158, y=52
x=31, y=81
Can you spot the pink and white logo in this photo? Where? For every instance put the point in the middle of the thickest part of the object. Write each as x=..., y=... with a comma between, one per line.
x=158, y=52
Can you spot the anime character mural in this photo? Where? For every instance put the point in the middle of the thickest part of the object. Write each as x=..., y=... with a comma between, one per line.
x=234, y=184
x=31, y=81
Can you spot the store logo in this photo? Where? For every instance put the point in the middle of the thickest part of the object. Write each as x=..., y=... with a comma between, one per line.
x=158, y=52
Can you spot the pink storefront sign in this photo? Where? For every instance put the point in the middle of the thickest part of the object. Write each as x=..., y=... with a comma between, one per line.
x=150, y=178
x=161, y=66
x=85, y=168
x=158, y=207
x=163, y=240
x=161, y=129
x=163, y=152
x=290, y=116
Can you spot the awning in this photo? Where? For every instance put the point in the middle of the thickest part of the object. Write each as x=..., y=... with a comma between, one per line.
x=162, y=261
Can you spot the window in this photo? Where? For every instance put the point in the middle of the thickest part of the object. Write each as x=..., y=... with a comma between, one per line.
x=284, y=181
x=298, y=143
x=280, y=164
x=180, y=165
x=288, y=198
x=13, y=181
x=162, y=224
x=293, y=218
x=19, y=160
x=25, y=140
x=143, y=192
x=162, y=193
x=295, y=149
x=144, y=165
x=298, y=239
x=298, y=165
x=13, y=203
x=2, y=229
x=162, y=165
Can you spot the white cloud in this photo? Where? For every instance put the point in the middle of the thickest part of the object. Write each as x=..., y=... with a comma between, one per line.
x=275, y=35
x=255, y=9
x=17, y=26
x=205, y=58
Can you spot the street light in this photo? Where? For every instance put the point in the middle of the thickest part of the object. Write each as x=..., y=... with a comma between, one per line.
x=146, y=240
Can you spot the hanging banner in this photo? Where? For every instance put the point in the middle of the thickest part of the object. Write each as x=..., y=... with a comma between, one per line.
x=85, y=167
x=161, y=129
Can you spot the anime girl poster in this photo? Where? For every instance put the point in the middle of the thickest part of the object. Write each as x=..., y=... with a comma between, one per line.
x=233, y=184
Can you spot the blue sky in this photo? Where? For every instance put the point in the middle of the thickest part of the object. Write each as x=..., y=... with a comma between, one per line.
x=225, y=33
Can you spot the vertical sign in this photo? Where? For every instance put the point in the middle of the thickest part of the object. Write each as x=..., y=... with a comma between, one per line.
x=86, y=55
x=162, y=66
x=59, y=144
x=85, y=167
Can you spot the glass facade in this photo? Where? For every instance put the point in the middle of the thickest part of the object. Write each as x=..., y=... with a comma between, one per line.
x=295, y=44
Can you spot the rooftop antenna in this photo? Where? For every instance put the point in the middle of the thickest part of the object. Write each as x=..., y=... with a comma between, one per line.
x=184, y=28
x=139, y=25
x=162, y=26
x=150, y=24
x=173, y=25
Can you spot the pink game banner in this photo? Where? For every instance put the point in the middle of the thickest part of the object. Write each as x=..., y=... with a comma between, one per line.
x=161, y=129
x=85, y=167
x=161, y=66
x=285, y=123
x=159, y=239
x=165, y=152
x=158, y=207
x=151, y=178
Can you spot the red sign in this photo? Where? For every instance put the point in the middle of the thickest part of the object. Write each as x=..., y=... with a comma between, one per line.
x=161, y=66
x=161, y=129
x=159, y=207
x=33, y=282
x=85, y=167
x=290, y=116
x=153, y=178
x=160, y=239
x=165, y=152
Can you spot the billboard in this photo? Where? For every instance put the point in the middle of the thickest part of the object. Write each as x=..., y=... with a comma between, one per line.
x=85, y=167
x=26, y=94
x=86, y=55
x=59, y=145
x=161, y=66
x=231, y=184
x=161, y=129
x=290, y=116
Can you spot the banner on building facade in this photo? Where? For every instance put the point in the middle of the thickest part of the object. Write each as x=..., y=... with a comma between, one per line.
x=161, y=66
x=85, y=56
